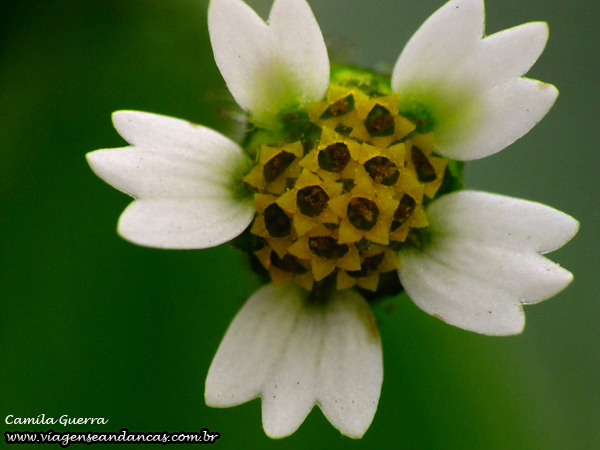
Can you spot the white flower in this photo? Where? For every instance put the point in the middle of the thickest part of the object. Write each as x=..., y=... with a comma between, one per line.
x=479, y=259
x=484, y=261
x=269, y=67
x=295, y=354
x=181, y=176
x=474, y=87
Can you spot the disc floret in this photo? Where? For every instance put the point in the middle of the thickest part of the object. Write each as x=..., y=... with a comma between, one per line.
x=345, y=188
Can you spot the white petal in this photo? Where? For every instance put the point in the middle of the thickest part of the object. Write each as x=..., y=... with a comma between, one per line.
x=301, y=46
x=503, y=56
x=183, y=175
x=484, y=260
x=295, y=354
x=443, y=41
x=175, y=137
x=471, y=85
x=504, y=114
x=269, y=67
x=186, y=223
x=170, y=157
x=140, y=172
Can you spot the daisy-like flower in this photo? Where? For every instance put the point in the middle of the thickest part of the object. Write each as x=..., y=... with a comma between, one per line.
x=347, y=182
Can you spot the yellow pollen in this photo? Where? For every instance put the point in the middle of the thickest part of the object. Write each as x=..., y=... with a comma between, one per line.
x=335, y=210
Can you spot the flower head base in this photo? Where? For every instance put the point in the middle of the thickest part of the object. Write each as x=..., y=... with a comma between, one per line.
x=335, y=205
x=347, y=183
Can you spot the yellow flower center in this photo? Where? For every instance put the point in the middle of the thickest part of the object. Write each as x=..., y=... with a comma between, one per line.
x=338, y=206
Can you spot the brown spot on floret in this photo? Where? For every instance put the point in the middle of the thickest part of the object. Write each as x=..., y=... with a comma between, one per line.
x=327, y=247
x=334, y=158
x=277, y=165
x=312, y=200
x=362, y=213
x=277, y=221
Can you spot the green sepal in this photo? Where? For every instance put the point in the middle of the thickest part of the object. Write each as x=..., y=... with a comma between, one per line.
x=453, y=178
x=291, y=126
x=372, y=83
x=240, y=190
x=249, y=244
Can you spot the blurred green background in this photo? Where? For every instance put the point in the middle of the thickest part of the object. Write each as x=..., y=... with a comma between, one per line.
x=92, y=326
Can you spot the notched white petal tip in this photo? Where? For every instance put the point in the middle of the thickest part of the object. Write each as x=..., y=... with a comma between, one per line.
x=471, y=85
x=441, y=42
x=182, y=176
x=505, y=114
x=269, y=67
x=484, y=260
x=295, y=354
